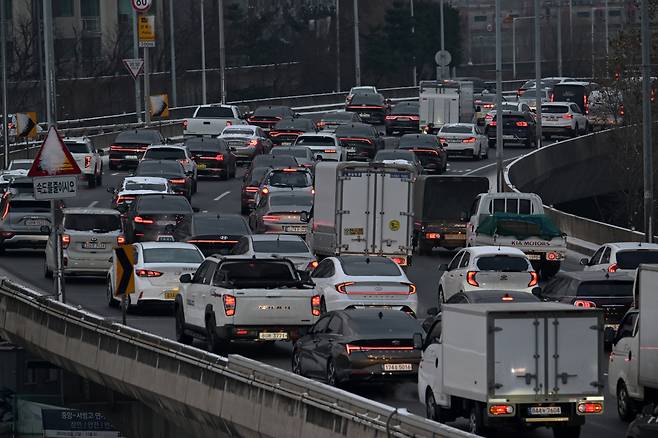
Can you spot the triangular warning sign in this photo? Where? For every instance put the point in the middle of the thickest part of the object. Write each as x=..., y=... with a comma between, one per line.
x=53, y=158
x=134, y=66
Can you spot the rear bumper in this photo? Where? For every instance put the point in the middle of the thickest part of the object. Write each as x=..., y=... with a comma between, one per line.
x=360, y=367
x=256, y=333
x=522, y=418
x=86, y=266
x=460, y=151
x=403, y=126
x=17, y=241
x=212, y=171
x=404, y=305
x=286, y=229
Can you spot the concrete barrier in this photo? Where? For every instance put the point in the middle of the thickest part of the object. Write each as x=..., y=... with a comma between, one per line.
x=206, y=394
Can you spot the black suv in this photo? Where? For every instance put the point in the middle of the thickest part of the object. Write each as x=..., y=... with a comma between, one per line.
x=129, y=147
x=361, y=141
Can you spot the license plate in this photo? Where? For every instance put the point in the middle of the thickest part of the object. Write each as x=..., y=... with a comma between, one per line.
x=201, y=166
x=131, y=157
x=353, y=231
x=350, y=149
x=286, y=143
x=364, y=114
x=545, y=410
x=272, y=336
x=508, y=137
x=165, y=223
x=397, y=367
x=455, y=237
x=295, y=229
x=534, y=257
x=170, y=294
x=36, y=222
x=93, y=245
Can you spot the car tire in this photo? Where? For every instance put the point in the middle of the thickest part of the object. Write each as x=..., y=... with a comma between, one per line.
x=296, y=365
x=225, y=175
x=179, y=317
x=91, y=181
x=476, y=419
x=244, y=211
x=213, y=343
x=432, y=410
x=47, y=272
x=626, y=408
x=323, y=306
x=99, y=177
x=566, y=431
x=331, y=376
x=575, y=132
x=486, y=154
x=109, y=295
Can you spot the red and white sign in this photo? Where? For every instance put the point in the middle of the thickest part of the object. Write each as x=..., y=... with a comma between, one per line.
x=134, y=66
x=141, y=5
x=53, y=158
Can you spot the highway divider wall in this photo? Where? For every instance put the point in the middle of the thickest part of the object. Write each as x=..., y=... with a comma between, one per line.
x=214, y=395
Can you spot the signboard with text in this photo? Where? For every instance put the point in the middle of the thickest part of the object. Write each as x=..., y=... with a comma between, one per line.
x=146, y=30
x=63, y=423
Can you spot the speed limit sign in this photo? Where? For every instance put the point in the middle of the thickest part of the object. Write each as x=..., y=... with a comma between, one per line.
x=141, y=5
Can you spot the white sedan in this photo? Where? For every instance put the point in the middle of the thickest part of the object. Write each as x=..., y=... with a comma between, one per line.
x=363, y=281
x=134, y=186
x=158, y=268
x=621, y=257
x=487, y=267
x=464, y=140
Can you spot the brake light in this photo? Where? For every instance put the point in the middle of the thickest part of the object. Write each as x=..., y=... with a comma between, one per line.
x=552, y=97
x=469, y=140
x=552, y=256
x=613, y=267
x=567, y=116
x=488, y=106
x=66, y=240
x=412, y=288
x=315, y=305
x=121, y=240
x=289, y=170
x=252, y=143
x=520, y=92
x=87, y=160
x=443, y=140
x=590, y=408
x=352, y=348
x=177, y=181
x=148, y=273
x=143, y=220
x=584, y=303
x=329, y=151
x=391, y=117
x=124, y=198
x=218, y=157
x=523, y=124
x=251, y=189
x=365, y=140
x=507, y=297
x=271, y=218
x=320, y=124
x=265, y=191
x=5, y=199
x=432, y=235
x=312, y=265
x=585, y=104
x=185, y=124
x=400, y=260
x=496, y=410
x=621, y=107
x=488, y=117
x=534, y=279
x=229, y=305
x=470, y=278
x=492, y=123
x=340, y=288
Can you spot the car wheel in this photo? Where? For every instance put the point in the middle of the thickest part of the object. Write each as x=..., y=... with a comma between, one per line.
x=194, y=186
x=485, y=156
x=225, y=175
x=332, y=377
x=476, y=419
x=432, y=410
x=297, y=363
x=91, y=181
x=111, y=302
x=99, y=178
x=625, y=404
x=181, y=336
x=574, y=132
x=214, y=344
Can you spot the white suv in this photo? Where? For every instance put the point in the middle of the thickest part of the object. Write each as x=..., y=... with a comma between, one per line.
x=88, y=159
x=562, y=118
x=621, y=257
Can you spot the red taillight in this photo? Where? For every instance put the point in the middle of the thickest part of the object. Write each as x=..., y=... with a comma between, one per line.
x=520, y=92
x=585, y=104
x=271, y=218
x=121, y=240
x=320, y=124
x=219, y=157
x=469, y=140
x=552, y=256
x=185, y=124
x=584, y=303
x=497, y=410
x=552, y=97
x=66, y=240
x=470, y=278
x=493, y=123
x=315, y=305
x=341, y=288
x=312, y=265
x=488, y=106
x=329, y=151
x=590, y=408
x=229, y=305
x=522, y=124
x=391, y=117
x=352, y=348
x=400, y=260
x=534, y=279
x=290, y=170
x=621, y=107
x=443, y=140
x=241, y=332
x=252, y=143
x=412, y=288
x=87, y=161
x=613, y=267
x=177, y=181
x=148, y=273
x=567, y=116
x=5, y=199
x=124, y=198
x=432, y=235
x=365, y=140
x=251, y=189
x=143, y=220
x=507, y=297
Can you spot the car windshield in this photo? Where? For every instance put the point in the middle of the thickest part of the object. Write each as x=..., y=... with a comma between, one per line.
x=456, y=129
x=22, y=165
x=367, y=99
x=353, y=131
x=258, y=270
x=289, y=199
x=369, y=266
x=194, y=145
x=220, y=225
x=214, y=112
x=257, y=176
x=315, y=141
x=145, y=186
x=289, y=179
x=338, y=117
x=77, y=148
x=394, y=155
x=29, y=206
x=280, y=246
x=274, y=161
x=269, y=112
x=502, y=263
x=92, y=222
x=173, y=203
x=143, y=136
x=295, y=152
x=605, y=289
x=165, y=154
x=389, y=325
x=405, y=110
x=293, y=125
x=159, y=167
x=554, y=109
x=418, y=140
x=235, y=131
x=632, y=259
x=172, y=255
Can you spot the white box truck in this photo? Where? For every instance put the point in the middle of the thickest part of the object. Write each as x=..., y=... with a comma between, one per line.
x=363, y=208
x=522, y=365
x=443, y=102
x=633, y=362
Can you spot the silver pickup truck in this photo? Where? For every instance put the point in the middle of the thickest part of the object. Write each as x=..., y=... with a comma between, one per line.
x=245, y=299
x=210, y=120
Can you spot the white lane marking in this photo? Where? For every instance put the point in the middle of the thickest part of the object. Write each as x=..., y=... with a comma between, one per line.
x=221, y=196
x=92, y=204
x=490, y=165
x=115, y=173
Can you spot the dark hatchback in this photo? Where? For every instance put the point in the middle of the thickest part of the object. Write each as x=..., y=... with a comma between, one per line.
x=179, y=181
x=371, y=108
x=429, y=151
x=612, y=292
x=286, y=131
x=360, y=344
x=129, y=146
x=215, y=233
x=151, y=216
x=266, y=117
x=361, y=141
x=518, y=127
x=212, y=157
x=255, y=174
x=403, y=118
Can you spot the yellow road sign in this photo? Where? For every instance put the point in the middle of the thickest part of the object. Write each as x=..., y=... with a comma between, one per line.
x=124, y=261
x=26, y=125
x=146, y=30
x=159, y=106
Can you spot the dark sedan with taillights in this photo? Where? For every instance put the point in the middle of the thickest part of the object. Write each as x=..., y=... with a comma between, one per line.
x=179, y=182
x=371, y=108
x=129, y=146
x=151, y=217
x=286, y=131
x=361, y=141
x=212, y=157
x=266, y=117
x=403, y=118
x=429, y=151
x=215, y=233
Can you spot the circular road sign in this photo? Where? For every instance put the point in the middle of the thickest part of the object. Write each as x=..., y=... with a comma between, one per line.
x=442, y=58
x=141, y=5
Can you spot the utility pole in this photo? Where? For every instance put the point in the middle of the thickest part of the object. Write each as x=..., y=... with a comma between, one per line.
x=172, y=43
x=357, y=50
x=499, y=101
x=538, y=87
x=443, y=39
x=646, y=123
x=413, y=39
x=147, y=87
x=51, y=105
x=138, y=85
x=204, y=85
x=3, y=55
x=559, y=39
x=222, y=51
x=607, y=18
x=337, y=45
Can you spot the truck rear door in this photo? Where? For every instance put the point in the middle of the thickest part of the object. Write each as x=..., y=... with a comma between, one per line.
x=393, y=225
x=273, y=307
x=356, y=210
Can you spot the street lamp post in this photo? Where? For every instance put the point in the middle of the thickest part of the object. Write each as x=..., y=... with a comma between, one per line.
x=357, y=49
x=222, y=51
x=499, y=100
x=172, y=48
x=594, y=9
x=538, y=88
x=443, y=40
x=646, y=122
x=514, y=42
x=413, y=39
x=204, y=84
x=338, y=46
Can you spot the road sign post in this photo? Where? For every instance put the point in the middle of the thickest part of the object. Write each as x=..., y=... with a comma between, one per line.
x=124, y=275
x=54, y=174
x=134, y=66
x=146, y=32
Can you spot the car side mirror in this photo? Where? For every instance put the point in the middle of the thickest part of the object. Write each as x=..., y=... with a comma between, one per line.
x=304, y=217
x=418, y=341
x=536, y=291
x=443, y=267
x=584, y=261
x=433, y=311
x=45, y=229
x=185, y=278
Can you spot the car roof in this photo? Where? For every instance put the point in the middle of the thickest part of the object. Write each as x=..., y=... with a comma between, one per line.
x=318, y=134
x=272, y=237
x=90, y=210
x=594, y=275
x=145, y=179
x=448, y=125
x=582, y=83
x=493, y=250
x=481, y=296
x=166, y=146
x=152, y=245
x=633, y=245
